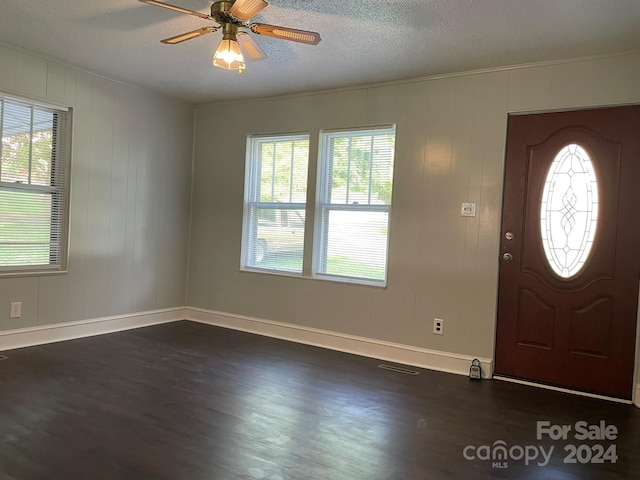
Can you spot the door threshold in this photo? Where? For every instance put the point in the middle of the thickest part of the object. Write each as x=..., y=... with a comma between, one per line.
x=563, y=390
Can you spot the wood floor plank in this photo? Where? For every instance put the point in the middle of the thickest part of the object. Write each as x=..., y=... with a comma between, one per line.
x=191, y=401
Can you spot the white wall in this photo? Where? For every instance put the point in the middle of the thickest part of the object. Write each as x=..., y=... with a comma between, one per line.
x=130, y=197
x=131, y=186
x=451, y=135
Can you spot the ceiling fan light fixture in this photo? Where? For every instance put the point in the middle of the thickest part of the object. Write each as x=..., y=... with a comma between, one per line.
x=229, y=56
x=229, y=15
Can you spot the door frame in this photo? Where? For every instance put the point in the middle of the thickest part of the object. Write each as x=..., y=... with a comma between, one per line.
x=635, y=396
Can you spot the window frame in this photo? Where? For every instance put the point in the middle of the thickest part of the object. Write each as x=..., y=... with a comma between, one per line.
x=58, y=189
x=317, y=189
x=252, y=181
x=323, y=207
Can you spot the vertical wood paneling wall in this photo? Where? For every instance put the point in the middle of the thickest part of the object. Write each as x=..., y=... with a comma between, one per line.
x=451, y=135
x=130, y=197
x=131, y=179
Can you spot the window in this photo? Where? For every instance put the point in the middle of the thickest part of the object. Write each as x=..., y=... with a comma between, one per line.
x=351, y=213
x=275, y=202
x=569, y=211
x=354, y=197
x=33, y=186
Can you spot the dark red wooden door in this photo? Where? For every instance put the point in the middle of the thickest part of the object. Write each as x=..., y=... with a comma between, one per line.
x=570, y=250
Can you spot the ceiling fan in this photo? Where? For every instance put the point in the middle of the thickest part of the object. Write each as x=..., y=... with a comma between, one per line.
x=233, y=18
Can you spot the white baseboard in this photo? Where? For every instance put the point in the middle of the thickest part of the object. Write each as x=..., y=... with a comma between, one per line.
x=392, y=352
x=637, y=396
x=26, y=337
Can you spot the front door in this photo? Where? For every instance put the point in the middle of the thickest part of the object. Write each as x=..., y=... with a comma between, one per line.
x=570, y=250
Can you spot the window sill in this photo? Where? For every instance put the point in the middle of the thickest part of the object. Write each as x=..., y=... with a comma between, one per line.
x=350, y=280
x=318, y=277
x=31, y=273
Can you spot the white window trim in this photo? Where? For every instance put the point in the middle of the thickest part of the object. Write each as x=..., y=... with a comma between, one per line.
x=63, y=254
x=251, y=187
x=322, y=207
x=313, y=210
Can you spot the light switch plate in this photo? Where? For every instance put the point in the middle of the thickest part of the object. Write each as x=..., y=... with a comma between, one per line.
x=468, y=209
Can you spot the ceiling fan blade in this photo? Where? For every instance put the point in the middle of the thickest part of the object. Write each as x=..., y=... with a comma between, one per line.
x=286, y=33
x=189, y=35
x=245, y=9
x=176, y=9
x=250, y=47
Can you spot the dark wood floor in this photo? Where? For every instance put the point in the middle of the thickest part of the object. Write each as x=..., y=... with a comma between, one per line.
x=191, y=401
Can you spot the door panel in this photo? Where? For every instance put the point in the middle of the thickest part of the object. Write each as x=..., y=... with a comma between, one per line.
x=575, y=330
x=591, y=328
x=535, y=321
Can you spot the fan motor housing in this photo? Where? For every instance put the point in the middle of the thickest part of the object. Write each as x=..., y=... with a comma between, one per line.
x=220, y=12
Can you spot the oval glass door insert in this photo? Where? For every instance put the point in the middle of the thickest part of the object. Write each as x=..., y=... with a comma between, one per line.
x=569, y=211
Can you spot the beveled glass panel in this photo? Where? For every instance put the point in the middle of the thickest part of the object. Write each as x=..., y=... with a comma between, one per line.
x=569, y=211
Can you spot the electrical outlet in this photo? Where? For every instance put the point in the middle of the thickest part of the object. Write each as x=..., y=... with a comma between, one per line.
x=438, y=326
x=16, y=310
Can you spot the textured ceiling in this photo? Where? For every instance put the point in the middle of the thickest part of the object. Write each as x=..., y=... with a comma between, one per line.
x=362, y=41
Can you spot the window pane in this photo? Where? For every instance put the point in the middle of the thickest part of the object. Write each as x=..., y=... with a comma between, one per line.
x=382, y=169
x=41, y=148
x=357, y=244
x=16, y=143
x=300, y=168
x=283, y=171
x=279, y=239
x=25, y=228
x=338, y=169
x=266, y=159
x=360, y=168
x=569, y=211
